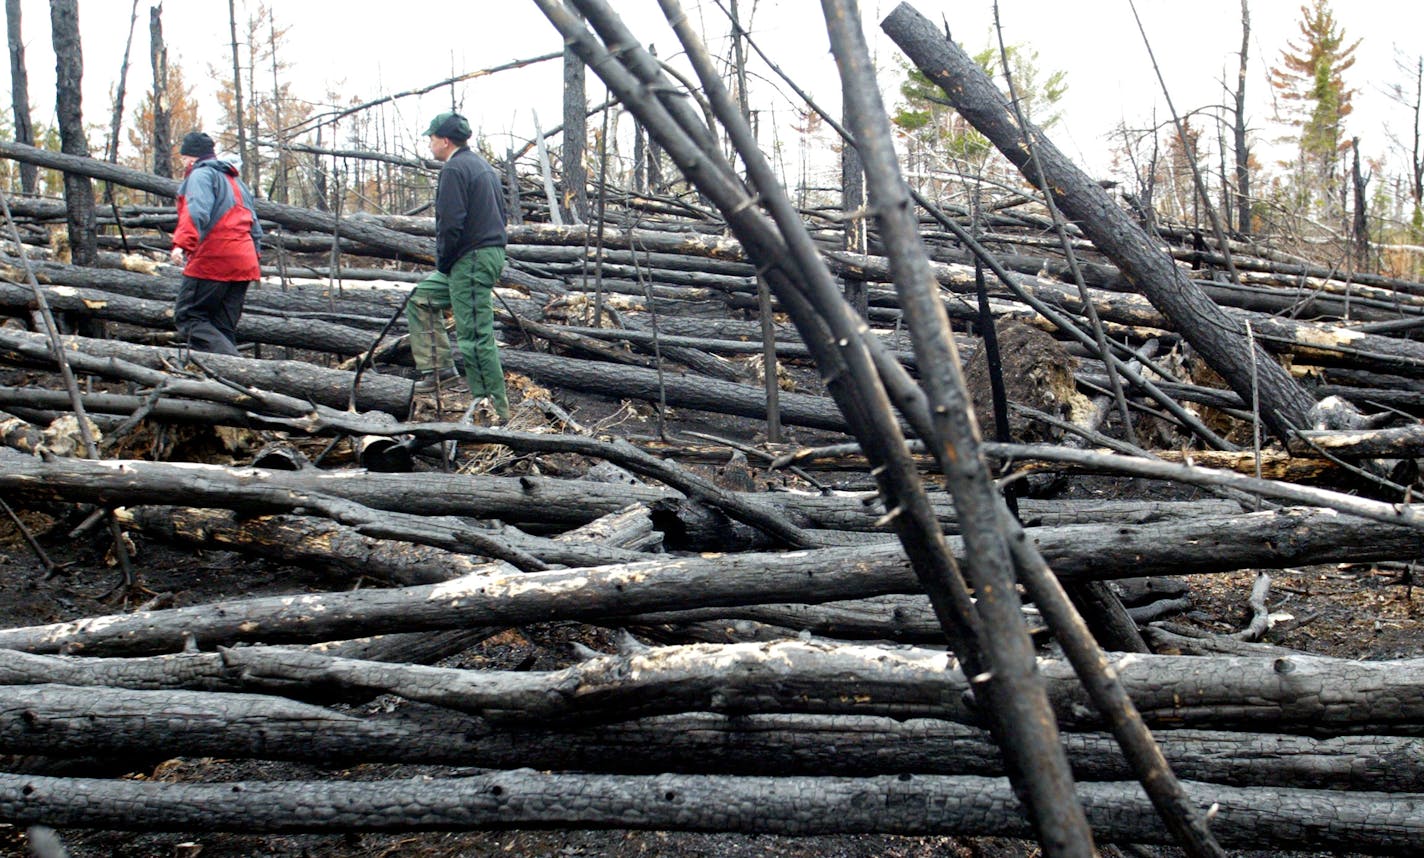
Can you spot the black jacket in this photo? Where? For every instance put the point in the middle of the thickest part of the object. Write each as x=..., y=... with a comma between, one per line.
x=469, y=208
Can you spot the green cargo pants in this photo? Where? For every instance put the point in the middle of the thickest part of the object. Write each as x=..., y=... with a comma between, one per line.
x=467, y=292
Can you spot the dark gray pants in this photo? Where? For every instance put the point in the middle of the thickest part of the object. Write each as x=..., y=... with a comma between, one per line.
x=206, y=314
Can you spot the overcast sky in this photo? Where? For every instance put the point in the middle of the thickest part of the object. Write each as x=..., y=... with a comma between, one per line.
x=368, y=48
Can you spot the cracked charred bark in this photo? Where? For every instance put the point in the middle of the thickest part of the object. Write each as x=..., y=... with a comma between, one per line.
x=61, y=721
x=295, y=379
x=1378, y=823
x=69, y=71
x=1261, y=539
x=1288, y=693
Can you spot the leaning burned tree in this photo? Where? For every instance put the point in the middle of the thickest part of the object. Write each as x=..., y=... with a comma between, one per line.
x=989, y=635
x=1285, y=405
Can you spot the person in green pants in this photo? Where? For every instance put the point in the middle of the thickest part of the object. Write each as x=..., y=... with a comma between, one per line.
x=469, y=254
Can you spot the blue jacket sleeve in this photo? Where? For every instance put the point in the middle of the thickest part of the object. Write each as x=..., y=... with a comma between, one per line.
x=201, y=198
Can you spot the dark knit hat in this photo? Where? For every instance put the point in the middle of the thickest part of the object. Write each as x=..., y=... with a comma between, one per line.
x=197, y=144
x=451, y=126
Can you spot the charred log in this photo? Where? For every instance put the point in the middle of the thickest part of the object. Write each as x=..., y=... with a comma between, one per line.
x=1258, y=540
x=62, y=721
x=1377, y=823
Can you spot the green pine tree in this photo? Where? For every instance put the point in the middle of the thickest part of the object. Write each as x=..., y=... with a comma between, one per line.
x=1310, y=81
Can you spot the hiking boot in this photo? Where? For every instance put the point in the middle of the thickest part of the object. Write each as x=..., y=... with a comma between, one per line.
x=447, y=378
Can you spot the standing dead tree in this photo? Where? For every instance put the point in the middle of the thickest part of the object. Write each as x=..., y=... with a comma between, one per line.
x=575, y=177
x=158, y=58
x=238, y=117
x=69, y=74
x=1238, y=130
x=20, y=93
x=111, y=151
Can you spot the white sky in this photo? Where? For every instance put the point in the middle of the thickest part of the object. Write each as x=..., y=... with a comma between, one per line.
x=367, y=48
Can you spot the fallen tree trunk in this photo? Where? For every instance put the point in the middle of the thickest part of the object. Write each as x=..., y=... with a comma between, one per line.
x=1272, y=539
x=328, y=387
x=1398, y=395
x=64, y=721
x=314, y=543
x=167, y=409
x=307, y=333
x=1397, y=442
x=1377, y=823
x=548, y=501
x=322, y=544
x=544, y=500
x=163, y=286
x=1302, y=693
x=684, y=391
x=206, y=672
x=342, y=551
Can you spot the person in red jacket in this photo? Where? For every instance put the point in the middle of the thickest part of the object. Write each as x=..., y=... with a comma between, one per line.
x=217, y=242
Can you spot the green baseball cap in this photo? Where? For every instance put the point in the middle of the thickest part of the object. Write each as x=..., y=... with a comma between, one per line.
x=452, y=126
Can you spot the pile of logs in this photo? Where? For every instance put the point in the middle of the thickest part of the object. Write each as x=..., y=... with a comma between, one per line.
x=805, y=691
x=648, y=737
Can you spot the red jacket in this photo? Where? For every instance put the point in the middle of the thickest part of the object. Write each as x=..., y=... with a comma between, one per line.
x=216, y=225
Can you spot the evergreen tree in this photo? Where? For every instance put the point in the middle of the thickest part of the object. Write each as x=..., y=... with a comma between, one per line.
x=937, y=136
x=1309, y=79
x=183, y=117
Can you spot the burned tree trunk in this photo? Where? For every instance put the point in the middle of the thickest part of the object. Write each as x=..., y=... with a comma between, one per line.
x=1300, y=819
x=20, y=94
x=1359, y=222
x=687, y=391
x=1285, y=405
x=314, y=543
x=295, y=378
x=1238, y=131
x=63, y=721
x=111, y=151
x=1081, y=553
x=852, y=201
x=255, y=327
x=1299, y=693
x=575, y=177
x=239, y=117
x=158, y=58
x=69, y=75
